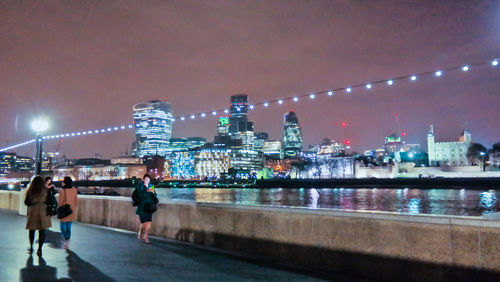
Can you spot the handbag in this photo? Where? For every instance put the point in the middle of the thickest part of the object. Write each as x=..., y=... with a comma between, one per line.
x=64, y=210
x=152, y=207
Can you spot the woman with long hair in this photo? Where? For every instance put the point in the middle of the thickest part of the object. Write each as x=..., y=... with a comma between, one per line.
x=68, y=196
x=37, y=218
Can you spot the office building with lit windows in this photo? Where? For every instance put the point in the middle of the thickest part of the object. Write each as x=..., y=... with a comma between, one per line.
x=11, y=162
x=238, y=120
x=259, y=138
x=292, y=135
x=98, y=172
x=182, y=144
x=212, y=163
x=180, y=164
x=153, y=127
x=272, y=150
x=245, y=160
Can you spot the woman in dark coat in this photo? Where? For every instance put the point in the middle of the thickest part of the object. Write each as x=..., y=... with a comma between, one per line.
x=37, y=218
x=146, y=196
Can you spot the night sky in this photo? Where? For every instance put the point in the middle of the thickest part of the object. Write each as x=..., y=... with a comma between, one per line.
x=84, y=64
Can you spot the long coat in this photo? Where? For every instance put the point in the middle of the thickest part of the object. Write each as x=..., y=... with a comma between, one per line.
x=37, y=218
x=146, y=198
x=69, y=196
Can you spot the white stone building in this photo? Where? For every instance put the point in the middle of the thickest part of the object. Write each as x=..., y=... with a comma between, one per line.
x=448, y=153
x=494, y=158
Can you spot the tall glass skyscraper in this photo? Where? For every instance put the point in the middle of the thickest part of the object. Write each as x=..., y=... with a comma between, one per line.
x=292, y=135
x=244, y=158
x=238, y=120
x=153, y=127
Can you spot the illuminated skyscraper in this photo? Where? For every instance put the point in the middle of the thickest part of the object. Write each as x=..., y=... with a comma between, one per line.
x=244, y=158
x=153, y=127
x=292, y=135
x=223, y=127
x=259, y=139
x=238, y=121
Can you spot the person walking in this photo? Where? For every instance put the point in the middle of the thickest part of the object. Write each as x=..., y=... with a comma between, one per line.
x=146, y=206
x=37, y=218
x=67, y=196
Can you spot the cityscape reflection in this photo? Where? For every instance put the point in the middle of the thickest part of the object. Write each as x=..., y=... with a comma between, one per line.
x=412, y=201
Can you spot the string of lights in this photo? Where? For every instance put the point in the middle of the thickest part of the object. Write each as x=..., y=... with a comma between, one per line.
x=389, y=82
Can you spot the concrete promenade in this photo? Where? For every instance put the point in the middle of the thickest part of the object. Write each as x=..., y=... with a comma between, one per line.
x=101, y=254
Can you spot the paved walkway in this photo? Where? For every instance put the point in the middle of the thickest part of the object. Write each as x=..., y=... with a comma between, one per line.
x=100, y=254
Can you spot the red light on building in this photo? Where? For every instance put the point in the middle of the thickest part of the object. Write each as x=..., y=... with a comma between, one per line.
x=403, y=134
x=348, y=142
x=343, y=124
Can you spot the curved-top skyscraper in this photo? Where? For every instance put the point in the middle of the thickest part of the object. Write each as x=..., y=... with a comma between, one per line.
x=153, y=127
x=292, y=135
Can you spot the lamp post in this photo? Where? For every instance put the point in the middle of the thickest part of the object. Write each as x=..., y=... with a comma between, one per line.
x=482, y=161
x=39, y=126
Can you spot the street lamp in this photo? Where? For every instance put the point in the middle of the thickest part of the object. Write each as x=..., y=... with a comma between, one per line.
x=39, y=125
x=482, y=161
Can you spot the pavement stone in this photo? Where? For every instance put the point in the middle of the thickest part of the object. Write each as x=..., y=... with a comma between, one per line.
x=102, y=254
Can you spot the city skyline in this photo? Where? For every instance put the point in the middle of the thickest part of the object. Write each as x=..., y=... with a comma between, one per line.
x=70, y=74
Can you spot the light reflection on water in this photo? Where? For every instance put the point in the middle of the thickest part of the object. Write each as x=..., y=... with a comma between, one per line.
x=412, y=201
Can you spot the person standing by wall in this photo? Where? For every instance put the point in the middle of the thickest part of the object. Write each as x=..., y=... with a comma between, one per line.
x=49, y=185
x=68, y=195
x=146, y=206
x=37, y=218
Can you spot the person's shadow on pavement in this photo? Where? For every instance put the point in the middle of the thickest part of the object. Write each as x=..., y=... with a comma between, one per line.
x=40, y=272
x=78, y=270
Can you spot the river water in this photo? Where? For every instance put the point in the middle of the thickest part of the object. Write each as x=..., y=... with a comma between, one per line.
x=412, y=201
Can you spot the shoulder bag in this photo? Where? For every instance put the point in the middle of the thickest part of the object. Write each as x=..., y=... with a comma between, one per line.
x=64, y=210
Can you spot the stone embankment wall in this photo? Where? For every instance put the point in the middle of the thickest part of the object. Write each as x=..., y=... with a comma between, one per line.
x=385, y=246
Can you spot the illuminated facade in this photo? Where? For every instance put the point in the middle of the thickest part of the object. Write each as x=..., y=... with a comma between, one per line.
x=238, y=120
x=258, y=141
x=335, y=148
x=448, y=153
x=223, y=126
x=392, y=143
x=211, y=163
x=99, y=172
x=182, y=144
x=126, y=160
x=153, y=127
x=181, y=164
x=292, y=135
x=272, y=149
x=50, y=160
x=244, y=158
x=11, y=162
